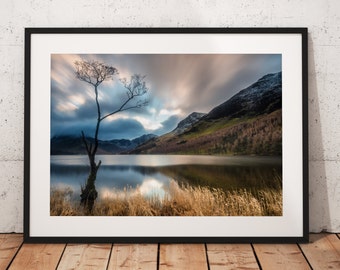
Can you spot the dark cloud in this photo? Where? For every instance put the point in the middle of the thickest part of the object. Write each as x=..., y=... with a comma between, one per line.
x=74, y=127
x=116, y=129
x=121, y=128
x=168, y=125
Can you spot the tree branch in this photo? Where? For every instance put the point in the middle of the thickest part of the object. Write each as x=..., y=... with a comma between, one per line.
x=137, y=106
x=98, y=165
x=93, y=72
x=85, y=143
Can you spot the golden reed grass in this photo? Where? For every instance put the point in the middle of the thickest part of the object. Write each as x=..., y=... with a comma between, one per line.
x=180, y=200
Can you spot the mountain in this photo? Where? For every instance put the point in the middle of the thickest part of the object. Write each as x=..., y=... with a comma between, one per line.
x=142, y=139
x=73, y=145
x=264, y=96
x=67, y=145
x=249, y=123
x=188, y=122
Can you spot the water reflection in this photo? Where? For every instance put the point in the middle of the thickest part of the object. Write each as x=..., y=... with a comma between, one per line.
x=150, y=187
x=151, y=174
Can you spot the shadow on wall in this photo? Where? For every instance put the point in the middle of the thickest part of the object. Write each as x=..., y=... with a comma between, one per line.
x=319, y=208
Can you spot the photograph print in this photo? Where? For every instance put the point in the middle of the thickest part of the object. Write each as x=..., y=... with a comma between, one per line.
x=166, y=135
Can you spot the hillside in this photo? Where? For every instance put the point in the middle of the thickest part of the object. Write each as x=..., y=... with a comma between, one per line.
x=262, y=97
x=250, y=122
x=187, y=123
x=259, y=135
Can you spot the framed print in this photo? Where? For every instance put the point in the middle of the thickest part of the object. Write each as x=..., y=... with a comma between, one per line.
x=166, y=135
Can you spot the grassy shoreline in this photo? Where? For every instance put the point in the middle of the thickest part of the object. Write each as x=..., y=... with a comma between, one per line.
x=181, y=200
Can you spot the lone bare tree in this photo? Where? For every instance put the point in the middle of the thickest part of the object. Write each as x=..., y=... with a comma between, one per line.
x=94, y=73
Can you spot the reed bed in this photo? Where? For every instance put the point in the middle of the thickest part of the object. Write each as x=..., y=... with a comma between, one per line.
x=180, y=200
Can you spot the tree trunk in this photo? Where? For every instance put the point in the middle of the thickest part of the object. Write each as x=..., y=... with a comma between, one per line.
x=89, y=193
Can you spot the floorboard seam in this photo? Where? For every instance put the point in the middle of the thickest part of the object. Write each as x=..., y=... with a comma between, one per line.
x=304, y=255
x=16, y=253
x=257, y=259
x=108, y=261
x=61, y=255
x=206, y=255
x=158, y=255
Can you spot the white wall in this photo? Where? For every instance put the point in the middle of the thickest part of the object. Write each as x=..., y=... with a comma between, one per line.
x=322, y=17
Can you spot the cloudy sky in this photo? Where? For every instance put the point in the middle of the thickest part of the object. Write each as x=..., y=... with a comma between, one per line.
x=178, y=84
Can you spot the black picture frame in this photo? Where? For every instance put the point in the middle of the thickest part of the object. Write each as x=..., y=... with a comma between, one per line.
x=35, y=39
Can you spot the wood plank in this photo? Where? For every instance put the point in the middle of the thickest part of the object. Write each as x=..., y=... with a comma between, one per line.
x=85, y=256
x=183, y=256
x=323, y=251
x=37, y=256
x=134, y=256
x=280, y=256
x=9, y=245
x=231, y=256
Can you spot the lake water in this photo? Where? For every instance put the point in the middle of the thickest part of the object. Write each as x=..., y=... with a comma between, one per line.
x=153, y=173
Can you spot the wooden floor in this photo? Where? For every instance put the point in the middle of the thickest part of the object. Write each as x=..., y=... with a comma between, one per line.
x=323, y=252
